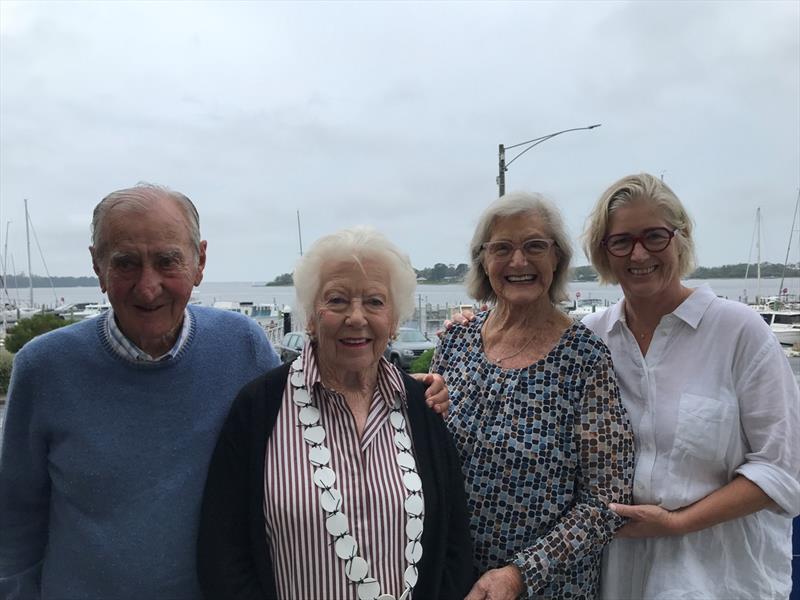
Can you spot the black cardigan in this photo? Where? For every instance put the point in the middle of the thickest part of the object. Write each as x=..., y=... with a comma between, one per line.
x=232, y=553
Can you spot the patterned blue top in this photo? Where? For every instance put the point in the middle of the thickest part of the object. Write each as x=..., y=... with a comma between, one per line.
x=544, y=449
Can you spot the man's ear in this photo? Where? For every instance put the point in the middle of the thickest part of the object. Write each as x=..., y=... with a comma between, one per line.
x=201, y=263
x=96, y=268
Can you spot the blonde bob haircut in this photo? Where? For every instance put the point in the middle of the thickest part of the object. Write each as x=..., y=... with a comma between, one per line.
x=510, y=205
x=637, y=188
x=357, y=244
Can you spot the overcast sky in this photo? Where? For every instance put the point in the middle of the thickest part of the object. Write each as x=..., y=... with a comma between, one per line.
x=390, y=113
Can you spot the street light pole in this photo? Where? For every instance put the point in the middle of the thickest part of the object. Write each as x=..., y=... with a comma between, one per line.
x=503, y=165
x=501, y=178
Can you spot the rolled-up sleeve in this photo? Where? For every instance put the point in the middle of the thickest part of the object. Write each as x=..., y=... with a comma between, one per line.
x=769, y=407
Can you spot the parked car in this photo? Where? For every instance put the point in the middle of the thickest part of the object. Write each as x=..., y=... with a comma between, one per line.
x=291, y=346
x=410, y=343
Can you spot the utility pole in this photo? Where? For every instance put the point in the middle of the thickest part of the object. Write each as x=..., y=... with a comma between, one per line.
x=501, y=178
x=28, y=239
x=503, y=166
x=299, y=233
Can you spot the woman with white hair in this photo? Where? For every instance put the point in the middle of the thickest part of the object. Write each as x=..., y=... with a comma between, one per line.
x=536, y=417
x=714, y=408
x=331, y=477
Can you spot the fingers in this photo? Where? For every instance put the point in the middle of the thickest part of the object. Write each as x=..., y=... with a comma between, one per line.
x=623, y=510
x=477, y=592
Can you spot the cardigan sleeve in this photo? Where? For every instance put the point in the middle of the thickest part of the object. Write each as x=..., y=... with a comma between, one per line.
x=458, y=575
x=226, y=567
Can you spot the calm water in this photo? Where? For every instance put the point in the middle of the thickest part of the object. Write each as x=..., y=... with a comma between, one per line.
x=208, y=293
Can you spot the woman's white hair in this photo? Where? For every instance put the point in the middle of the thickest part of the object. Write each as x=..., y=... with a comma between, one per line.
x=637, y=188
x=519, y=203
x=359, y=244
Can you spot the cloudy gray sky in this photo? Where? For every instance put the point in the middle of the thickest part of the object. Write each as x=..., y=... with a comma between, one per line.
x=390, y=114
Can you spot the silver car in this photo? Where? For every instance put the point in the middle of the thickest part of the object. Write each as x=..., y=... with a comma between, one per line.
x=410, y=343
x=291, y=346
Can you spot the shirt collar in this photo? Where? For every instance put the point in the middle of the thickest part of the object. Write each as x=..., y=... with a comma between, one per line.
x=389, y=383
x=126, y=349
x=690, y=311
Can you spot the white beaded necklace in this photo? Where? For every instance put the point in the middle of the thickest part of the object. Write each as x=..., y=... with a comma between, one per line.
x=355, y=567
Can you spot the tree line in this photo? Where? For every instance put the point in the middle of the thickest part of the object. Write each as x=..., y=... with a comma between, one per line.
x=442, y=273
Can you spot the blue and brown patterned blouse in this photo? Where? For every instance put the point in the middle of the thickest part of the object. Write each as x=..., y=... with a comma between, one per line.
x=544, y=450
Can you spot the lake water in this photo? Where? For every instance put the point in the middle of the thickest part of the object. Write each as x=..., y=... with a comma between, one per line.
x=208, y=293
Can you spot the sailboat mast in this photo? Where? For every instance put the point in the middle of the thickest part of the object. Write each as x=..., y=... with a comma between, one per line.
x=299, y=233
x=28, y=240
x=758, y=255
x=789, y=247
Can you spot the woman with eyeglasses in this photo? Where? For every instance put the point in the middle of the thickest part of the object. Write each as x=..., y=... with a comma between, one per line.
x=714, y=408
x=536, y=417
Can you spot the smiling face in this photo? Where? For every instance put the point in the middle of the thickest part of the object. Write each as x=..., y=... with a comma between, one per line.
x=517, y=279
x=354, y=316
x=644, y=274
x=147, y=265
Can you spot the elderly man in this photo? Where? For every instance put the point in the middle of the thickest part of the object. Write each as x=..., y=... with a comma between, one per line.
x=111, y=422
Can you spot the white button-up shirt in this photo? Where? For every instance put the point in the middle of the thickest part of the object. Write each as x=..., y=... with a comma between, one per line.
x=714, y=397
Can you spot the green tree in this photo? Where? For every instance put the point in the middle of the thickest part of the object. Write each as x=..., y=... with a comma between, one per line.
x=27, y=329
x=439, y=272
x=284, y=279
x=6, y=360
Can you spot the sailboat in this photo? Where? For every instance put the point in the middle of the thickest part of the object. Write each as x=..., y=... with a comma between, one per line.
x=782, y=316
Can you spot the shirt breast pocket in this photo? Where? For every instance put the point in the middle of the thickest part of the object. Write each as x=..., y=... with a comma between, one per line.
x=704, y=427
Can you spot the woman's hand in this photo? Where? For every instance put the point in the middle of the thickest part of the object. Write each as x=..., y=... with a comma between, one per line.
x=733, y=500
x=498, y=584
x=647, y=520
x=462, y=317
x=436, y=396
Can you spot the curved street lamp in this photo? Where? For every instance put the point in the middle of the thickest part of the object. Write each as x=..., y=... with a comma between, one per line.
x=501, y=178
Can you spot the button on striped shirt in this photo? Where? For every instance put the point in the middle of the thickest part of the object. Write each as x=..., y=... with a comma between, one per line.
x=367, y=475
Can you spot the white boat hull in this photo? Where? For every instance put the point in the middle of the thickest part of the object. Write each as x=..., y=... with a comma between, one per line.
x=786, y=334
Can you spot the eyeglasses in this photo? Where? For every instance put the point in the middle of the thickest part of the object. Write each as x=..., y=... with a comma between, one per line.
x=652, y=240
x=532, y=248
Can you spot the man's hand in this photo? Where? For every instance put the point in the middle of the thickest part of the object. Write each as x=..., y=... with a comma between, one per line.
x=436, y=395
x=647, y=520
x=498, y=584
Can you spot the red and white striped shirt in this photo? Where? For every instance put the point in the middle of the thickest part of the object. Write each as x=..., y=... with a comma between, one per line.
x=367, y=475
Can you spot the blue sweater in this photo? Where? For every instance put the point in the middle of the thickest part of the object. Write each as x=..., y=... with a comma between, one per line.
x=103, y=462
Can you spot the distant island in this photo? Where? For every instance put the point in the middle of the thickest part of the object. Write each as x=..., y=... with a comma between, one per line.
x=443, y=274
x=20, y=280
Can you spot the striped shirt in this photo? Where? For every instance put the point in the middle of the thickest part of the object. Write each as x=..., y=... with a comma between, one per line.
x=367, y=475
x=129, y=351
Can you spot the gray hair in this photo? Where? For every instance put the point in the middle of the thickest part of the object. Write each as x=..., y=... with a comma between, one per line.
x=358, y=243
x=517, y=203
x=637, y=188
x=136, y=198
